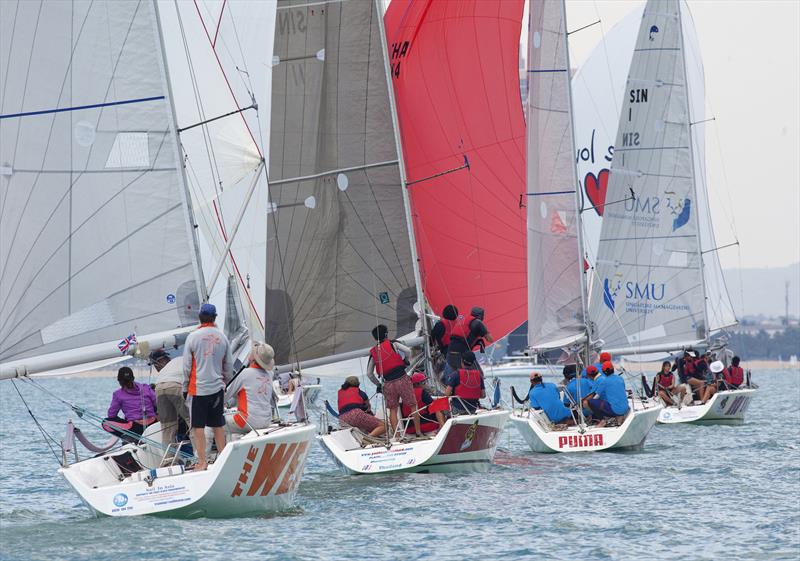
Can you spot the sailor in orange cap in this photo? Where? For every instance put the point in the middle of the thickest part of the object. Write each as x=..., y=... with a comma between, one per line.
x=609, y=398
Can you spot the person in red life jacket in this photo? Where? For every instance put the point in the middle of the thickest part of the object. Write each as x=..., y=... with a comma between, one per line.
x=454, y=335
x=733, y=375
x=386, y=361
x=354, y=409
x=695, y=369
x=478, y=332
x=665, y=386
x=136, y=401
x=429, y=420
x=467, y=385
x=251, y=393
x=440, y=334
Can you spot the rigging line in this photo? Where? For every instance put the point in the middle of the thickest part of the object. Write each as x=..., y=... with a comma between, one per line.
x=211, y=120
x=582, y=28
x=736, y=243
x=49, y=440
x=219, y=21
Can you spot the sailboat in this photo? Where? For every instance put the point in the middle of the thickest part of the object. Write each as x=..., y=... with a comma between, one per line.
x=558, y=305
x=456, y=148
x=658, y=285
x=98, y=239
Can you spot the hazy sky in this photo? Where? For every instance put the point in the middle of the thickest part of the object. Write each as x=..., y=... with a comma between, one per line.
x=751, y=53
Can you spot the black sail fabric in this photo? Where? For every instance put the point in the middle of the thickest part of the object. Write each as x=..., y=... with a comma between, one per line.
x=338, y=253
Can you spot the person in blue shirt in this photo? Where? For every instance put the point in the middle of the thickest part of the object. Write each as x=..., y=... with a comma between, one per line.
x=609, y=398
x=544, y=396
x=577, y=387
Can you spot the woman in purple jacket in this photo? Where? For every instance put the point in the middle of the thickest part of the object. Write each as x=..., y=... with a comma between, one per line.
x=137, y=403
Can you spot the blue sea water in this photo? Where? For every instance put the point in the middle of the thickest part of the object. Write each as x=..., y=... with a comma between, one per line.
x=694, y=492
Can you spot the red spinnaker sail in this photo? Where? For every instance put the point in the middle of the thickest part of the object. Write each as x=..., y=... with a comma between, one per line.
x=455, y=71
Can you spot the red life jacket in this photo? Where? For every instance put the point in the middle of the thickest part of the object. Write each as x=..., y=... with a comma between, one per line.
x=734, y=375
x=386, y=358
x=406, y=409
x=665, y=380
x=458, y=327
x=469, y=384
x=350, y=396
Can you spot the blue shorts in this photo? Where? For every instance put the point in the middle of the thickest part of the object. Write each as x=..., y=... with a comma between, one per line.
x=601, y=408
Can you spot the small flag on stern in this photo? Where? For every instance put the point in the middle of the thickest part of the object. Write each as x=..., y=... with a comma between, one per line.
x=126, y=343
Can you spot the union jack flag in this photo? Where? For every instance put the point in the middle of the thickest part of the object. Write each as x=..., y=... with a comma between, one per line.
x=126, y=343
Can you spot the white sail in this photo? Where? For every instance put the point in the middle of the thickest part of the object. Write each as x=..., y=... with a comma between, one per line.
x=598, y=88
x=555, y=306
x=648, y=289
x=95, y=236
x=220, y=60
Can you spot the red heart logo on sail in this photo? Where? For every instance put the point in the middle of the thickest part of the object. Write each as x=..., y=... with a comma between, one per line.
x=595, y=188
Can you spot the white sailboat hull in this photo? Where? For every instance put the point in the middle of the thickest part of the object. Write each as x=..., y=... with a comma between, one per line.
x=255, y=474
x=725, y=407
x=465, y=443
x=521, y=369
x=535, y=428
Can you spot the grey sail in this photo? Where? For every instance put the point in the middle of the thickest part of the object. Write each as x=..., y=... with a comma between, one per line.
x=95, y=241
x=555, y=306
x=649, y=288
x=335, y=270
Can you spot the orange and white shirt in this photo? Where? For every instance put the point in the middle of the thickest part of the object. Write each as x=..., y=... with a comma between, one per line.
x=251, y=393
x=207, y=363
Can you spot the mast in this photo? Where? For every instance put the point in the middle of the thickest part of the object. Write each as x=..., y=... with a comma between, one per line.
x=406, y=198
x=179, y=161
x=694, y=175
x=576, y=182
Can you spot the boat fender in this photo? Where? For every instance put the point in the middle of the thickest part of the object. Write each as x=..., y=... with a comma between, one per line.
x=517, y=398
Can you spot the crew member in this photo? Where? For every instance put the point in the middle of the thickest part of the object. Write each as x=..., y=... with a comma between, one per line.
x=665, y=386
x=457, y=335
x=467, y=385
x=386, y=361
x=609, y=398
x=136, y=401
x=429, y=420
x=577, y=387
x=207, y=367
x=169, y=395
x=251, y=393
x=544, y=396
x=478, y=332
x=734, y=375
x=440, y=334
x=715, y=378
x=354, y=409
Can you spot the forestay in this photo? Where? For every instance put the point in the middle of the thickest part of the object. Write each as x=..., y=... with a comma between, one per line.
x=95, y=238
x=338, y=248
x=555, y=263
x=455, y=75
x=649, y=285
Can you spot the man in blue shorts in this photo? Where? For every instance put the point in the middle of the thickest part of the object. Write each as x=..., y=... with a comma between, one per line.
x=544, y=396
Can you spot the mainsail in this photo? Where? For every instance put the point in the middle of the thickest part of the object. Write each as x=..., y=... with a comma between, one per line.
x=95, y=233
x=338, y=248
x=455, y=75
x=555, y=258
x=649, y=289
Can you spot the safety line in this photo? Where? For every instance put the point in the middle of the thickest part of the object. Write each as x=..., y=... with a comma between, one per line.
x=81, y=107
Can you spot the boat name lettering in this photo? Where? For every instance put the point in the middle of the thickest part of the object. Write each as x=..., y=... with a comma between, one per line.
x=580, y=440
x=247, y=466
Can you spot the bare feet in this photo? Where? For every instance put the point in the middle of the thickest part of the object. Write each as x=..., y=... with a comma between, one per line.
x=200, y=467
x=601, y=424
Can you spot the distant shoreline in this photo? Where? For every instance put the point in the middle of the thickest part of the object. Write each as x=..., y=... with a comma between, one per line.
x=750, y=364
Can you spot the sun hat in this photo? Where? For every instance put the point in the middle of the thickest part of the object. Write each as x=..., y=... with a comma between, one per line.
x=717, y=367
x=264, y=355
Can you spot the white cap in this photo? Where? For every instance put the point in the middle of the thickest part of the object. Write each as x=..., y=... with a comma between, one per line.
x=717, y=367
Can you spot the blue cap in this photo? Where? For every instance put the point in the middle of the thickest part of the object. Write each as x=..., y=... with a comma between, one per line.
x=208, y=309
